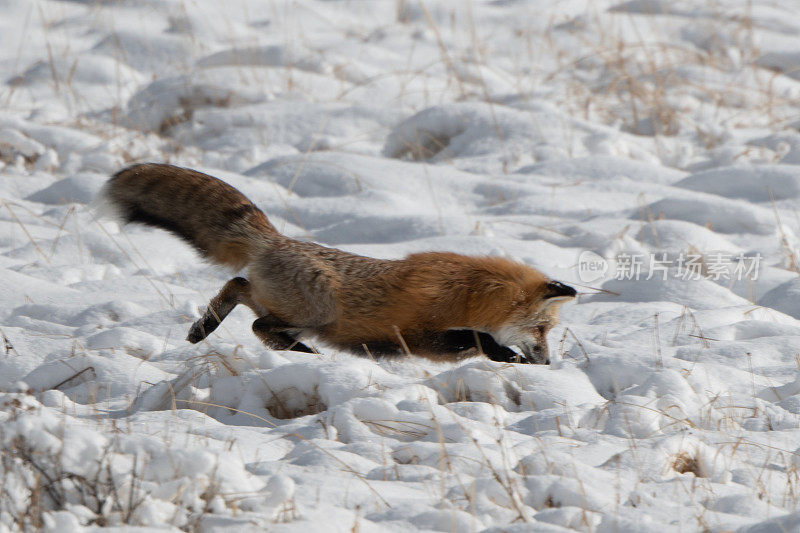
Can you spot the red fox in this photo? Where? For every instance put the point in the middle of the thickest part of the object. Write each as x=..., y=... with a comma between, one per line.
x=443, y=306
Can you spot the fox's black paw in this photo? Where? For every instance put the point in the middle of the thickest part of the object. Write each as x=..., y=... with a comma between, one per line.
x=503, y=354
x=507, y=355
x=470, y=343
x=484, y=343
x=196, y=333
x=514, y=357
x=202, y=328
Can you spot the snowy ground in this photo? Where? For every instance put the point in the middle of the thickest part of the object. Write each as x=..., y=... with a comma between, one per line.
x=565, y=135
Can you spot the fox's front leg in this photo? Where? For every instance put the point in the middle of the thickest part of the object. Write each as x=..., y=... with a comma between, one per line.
x=234, y=292
x=450, y=345
x=462, y=343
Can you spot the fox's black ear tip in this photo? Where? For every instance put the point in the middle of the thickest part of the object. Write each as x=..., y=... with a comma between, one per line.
x=557, y=289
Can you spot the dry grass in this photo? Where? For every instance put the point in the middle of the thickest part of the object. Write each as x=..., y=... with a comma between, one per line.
x=683, y=463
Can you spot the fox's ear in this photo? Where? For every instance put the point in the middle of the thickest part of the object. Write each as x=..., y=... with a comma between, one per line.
x=556, y=289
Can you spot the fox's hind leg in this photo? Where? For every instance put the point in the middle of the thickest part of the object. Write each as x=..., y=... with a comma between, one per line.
x=235, y=291
x=273, y=332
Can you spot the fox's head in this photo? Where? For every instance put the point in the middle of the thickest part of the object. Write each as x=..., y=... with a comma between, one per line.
x=524, y=307
x=514, y=303
x=532, y=313
x=531, y=317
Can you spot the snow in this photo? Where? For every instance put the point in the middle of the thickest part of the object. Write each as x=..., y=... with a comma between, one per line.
x=549, y=134
x=778, y=182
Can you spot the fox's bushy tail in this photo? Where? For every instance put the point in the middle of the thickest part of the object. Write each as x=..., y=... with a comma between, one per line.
x=215, y=218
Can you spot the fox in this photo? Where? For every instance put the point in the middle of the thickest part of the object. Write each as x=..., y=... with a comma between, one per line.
x=439, y=305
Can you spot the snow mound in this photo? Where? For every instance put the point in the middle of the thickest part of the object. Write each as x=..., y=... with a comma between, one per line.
x=785, y=298
x=479, y=132
x=603, y=167
x=721, y=214
x=273, y=56
x=678, y=236
x=692, y=293
x=757, y=183
x=81, y=188
x=529, y=388
x=171, y=101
